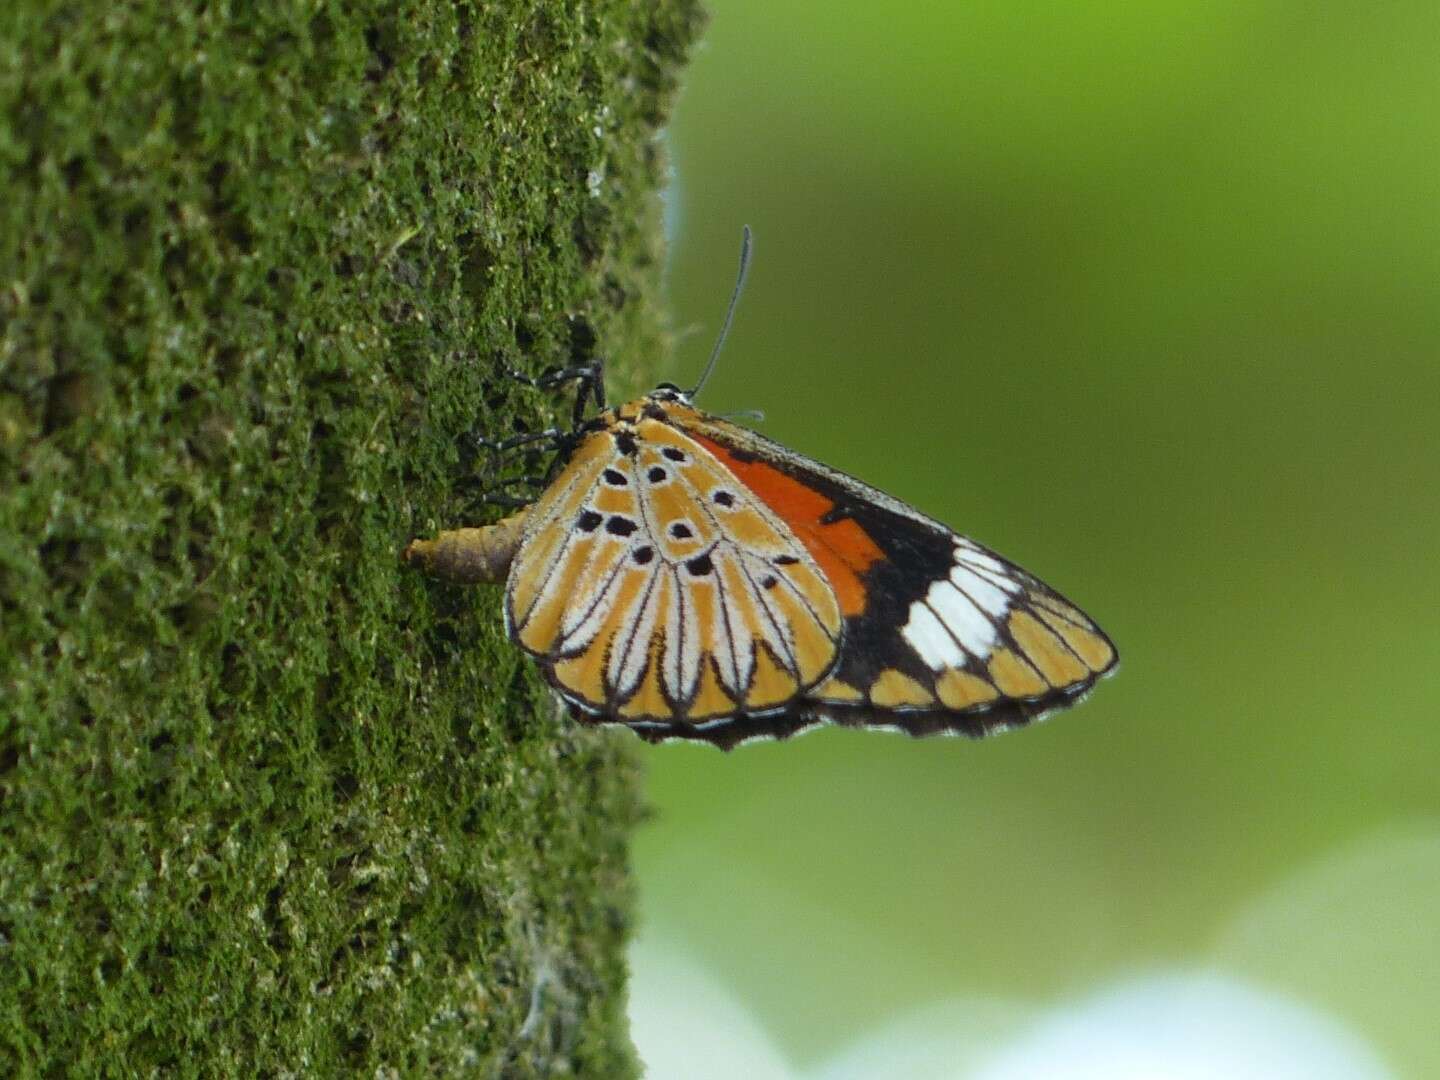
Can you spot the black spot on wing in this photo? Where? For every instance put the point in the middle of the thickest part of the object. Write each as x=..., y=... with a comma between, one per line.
x=619, y=525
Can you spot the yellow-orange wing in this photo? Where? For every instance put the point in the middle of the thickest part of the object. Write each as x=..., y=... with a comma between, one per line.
x=659, y=592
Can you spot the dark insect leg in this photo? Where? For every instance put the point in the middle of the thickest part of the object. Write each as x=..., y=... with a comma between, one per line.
x=479, y=491
x=595, y=386
x=591, y=379
x=553, y=436
x=499, y=498
x=554, y=376
x=524, y=481
x=534, y=482
x=591, y=386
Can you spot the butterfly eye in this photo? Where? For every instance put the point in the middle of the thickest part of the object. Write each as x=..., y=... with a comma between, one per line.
x=673, y=454
x=700, y=566
x=681, y=531
x=589, y=521
x=615, y=478
x=620, y=526
x=656, y=475
x=724, y=498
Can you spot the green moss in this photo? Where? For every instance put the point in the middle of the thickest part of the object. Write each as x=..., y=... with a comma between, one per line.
x=270, y=802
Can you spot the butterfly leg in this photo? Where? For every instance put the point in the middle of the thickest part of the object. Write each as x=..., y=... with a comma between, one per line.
x=501, y=498
x=523, y=481
x=594, y=385
x=482, y=489
x=555, y=376
x=490, y=492
x=591, y=378
x=552, y=435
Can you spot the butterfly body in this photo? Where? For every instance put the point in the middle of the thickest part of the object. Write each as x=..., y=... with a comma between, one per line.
x=689, y=578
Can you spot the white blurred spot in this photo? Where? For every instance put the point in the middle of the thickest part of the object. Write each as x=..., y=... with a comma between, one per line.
x=938, y=1042
x=687, y=1026
x=1358, y=933
x=1178, y=1026
x=1185, y=1027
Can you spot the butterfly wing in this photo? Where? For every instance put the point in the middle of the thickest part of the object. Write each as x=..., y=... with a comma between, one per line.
x=660, y=593
x=941, y=634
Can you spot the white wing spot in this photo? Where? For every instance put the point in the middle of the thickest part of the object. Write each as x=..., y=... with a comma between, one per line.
x=986, y=567
x=961, y=617
x=930, y=640
x=978, y=558
x=986, y=596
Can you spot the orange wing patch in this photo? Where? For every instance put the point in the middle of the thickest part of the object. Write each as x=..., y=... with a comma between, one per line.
x=842, y=548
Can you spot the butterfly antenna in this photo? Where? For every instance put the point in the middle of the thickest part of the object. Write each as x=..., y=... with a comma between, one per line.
x=729, y=312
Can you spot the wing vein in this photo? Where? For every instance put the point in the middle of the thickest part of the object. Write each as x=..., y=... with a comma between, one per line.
x=559, y=557
x=600, y=595
x=793, y=661
x=725, y=621
x=633, y=633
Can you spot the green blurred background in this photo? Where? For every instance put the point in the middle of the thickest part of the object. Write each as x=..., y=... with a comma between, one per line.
x=1147, y=297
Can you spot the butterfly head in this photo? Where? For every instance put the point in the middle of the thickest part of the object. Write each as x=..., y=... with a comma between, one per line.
x=668, y=392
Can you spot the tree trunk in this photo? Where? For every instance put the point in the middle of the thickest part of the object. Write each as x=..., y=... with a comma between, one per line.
x=270, y=801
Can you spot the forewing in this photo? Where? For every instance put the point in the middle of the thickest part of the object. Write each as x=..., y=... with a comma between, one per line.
x=941, y=634
x=658, y=592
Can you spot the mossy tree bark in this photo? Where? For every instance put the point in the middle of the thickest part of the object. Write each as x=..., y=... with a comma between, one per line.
x=271, y=802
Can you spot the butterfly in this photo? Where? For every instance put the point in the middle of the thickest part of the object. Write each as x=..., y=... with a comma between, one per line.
x=689, y=578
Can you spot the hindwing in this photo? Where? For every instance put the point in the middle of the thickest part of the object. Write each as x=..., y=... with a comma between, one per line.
x=660, y=592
